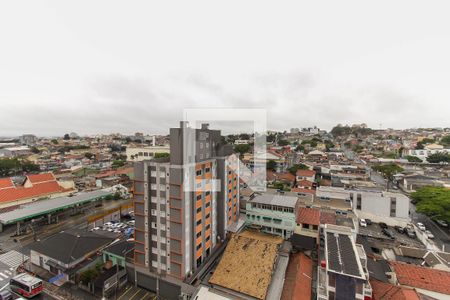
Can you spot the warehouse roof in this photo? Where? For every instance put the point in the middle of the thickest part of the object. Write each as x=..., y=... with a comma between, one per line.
x=43, y=207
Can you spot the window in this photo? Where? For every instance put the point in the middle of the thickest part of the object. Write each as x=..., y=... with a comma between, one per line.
x=207, y=216
x=208, y=238
x=207, y=204
x=199, y=234
x=199, y=222
x=199, y=172
x=208, y=227
x=201, y=145
x=315, y=227
x=199, y=197
x=208, y=193
x=207, y=170
x=358, y=201
x=199, y=209
x=145, y=153
x=199, y=246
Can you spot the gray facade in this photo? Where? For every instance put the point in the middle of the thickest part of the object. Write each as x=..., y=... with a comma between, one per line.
x=184, y=204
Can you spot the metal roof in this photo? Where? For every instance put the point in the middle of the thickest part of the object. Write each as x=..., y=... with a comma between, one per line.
x=342, y=257
x=43, y=207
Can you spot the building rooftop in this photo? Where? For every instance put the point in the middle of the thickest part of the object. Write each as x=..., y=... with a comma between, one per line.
x=247, y=264
x=341, y=255
x=387, y=291
x=306, y=173
x=69, y=246
x=273, y=199
x=422, y=278
x=40, y=185
x=120, y=248
x=308, y=216
x=298, y=280
x=49, y=205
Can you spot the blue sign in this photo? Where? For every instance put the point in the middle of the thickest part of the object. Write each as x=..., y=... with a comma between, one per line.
x=56, y=278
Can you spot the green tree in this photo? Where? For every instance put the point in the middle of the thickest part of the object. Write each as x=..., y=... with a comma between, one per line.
x=66, y=137
x=35, y=150
x=433, y=201
x=271, y=165
x=388, y=170
x=88, y=155
x=439, y=157
x=117, y=164
x=283, y=143
x=15, y=166
x=294, y=168
x=414, y=159
x=241, y=149
x=161, y=154
x=445, y=141
x=300, y=148
x=55, y=141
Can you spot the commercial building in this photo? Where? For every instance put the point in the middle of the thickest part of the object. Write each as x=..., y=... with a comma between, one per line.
x=67, y=252
x=185, y=204
x=19, y=190
x=274, y=214
x=379, y=206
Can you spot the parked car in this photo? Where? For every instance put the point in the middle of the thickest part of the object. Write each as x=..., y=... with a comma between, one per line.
x=399, y=229
x=131, y=223
x=362, y=223
x=383, y=225
x=388, y=233
x=421, y=226
x=368, y=221
x=429, y=234
x=95, y=229
x=5, y=295
x=442, y=223
x=410, y=232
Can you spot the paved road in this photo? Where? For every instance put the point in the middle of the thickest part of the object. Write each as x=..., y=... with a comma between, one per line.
x=441, y=237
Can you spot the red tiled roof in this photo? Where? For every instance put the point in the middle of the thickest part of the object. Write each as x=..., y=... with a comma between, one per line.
x=6, y=183
x=304, y=182
x=286, y=176
x=270, y=175
x=305, y=191
x=308, y=216
x=327, y=218
x=387, y=291
x=42, y=185
x=423, y=278
x=37, y=190
x=306, y=173
x=297, y=283
x=35, y=178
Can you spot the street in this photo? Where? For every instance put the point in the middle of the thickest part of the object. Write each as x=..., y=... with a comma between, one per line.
x=441, y=235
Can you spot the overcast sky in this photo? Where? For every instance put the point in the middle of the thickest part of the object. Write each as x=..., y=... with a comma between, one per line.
x=107, y=66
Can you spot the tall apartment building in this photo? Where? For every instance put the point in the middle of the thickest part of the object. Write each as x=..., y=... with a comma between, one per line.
x=185, y=204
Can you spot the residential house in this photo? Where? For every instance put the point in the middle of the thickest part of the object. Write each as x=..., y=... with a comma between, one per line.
x=430, y=282
x=68, y=252
x=309, y=175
